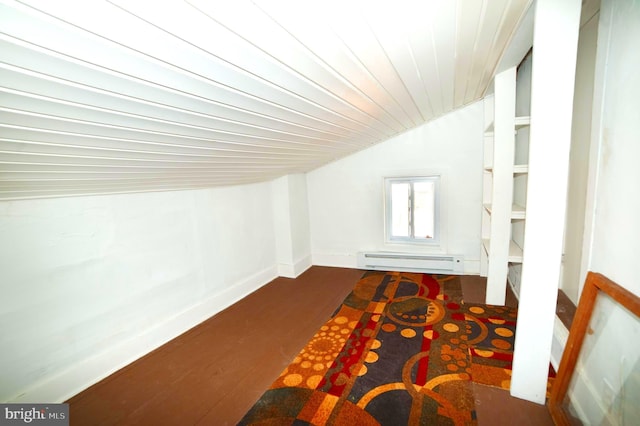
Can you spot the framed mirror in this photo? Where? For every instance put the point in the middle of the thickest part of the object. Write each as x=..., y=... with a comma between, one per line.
x=598, y=381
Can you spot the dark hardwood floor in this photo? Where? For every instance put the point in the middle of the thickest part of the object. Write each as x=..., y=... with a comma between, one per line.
x=213, y=373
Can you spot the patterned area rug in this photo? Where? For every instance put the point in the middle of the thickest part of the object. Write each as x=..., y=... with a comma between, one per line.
x=401, y=349
x=491, y=338
x=492, y=332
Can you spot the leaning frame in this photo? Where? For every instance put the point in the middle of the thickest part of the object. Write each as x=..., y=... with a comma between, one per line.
x=595, y=285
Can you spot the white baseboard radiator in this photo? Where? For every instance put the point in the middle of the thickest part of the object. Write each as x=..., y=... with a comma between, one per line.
x=411, y=262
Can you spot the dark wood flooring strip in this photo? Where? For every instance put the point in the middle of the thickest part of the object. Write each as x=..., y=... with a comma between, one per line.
x=565, y=309
x=215, y=372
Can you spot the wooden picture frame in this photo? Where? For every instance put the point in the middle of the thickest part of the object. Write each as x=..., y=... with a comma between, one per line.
x=597, y=287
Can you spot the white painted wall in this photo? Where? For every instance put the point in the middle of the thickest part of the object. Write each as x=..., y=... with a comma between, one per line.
x=579, y=159
x=291, y=224
x=612, y=229
x=616, y=228
x=89, y=284
x=300, y=226
x=346, y=197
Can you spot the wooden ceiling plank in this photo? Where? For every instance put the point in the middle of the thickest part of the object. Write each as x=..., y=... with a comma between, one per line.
x=50, y=149
x=166, y=63
x=46, y=122
x=26, y=195
x=191, y=94
x=16, y=157
x=506, y=28
x=391, y=30
x=33, y=84
x=470, y=17
x=47, y=175
x=92, y=165
x=35, y=104
x=443, y=29
x=260, y=30
x=308, y=24
x=366, y=51
x=196, y=96
x=177, y=145
x=220, y=58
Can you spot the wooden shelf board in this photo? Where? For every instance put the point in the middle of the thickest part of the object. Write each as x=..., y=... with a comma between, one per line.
x=520, y=169
x=518, y=212
x=522, y=121
x=515, y=252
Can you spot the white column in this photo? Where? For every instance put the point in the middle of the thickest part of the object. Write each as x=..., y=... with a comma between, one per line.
x=502, y=193
x=555, y=43
x=291, y=225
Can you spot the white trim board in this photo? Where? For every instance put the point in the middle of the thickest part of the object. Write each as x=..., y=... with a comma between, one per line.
x=294, y=270
x=90, y=371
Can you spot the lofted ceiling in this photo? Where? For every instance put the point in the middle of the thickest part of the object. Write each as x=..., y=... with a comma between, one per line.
x=130, y=96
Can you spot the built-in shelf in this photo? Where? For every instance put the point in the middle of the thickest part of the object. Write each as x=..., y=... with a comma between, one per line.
x=504, y=172
x=522, y=122
x=519, y=123
x=515, y=252
x=518, y=169
x=517, y=211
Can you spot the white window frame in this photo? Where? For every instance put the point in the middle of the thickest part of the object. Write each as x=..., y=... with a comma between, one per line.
x=389, y=238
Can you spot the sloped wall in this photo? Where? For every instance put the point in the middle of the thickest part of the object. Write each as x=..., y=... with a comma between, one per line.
x=89, y=284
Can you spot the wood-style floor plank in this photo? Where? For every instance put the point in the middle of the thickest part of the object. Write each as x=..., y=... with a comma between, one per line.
x=214, y=373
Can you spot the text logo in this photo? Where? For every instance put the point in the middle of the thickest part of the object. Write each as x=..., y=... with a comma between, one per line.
x=34, y=414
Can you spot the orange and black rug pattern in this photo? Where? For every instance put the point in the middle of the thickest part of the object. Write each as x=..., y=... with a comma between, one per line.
x=401, y=349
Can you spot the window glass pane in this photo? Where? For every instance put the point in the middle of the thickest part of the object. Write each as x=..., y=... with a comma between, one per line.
x=400, y=209
x=424, y=209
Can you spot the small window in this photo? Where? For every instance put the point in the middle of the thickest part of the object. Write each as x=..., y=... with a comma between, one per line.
x=412, y=209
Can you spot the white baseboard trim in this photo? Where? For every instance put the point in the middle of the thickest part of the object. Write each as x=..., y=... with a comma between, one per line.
x=471, y=267
x=560, y=337
x=81, y=375
x=335, y=260
x=286, y=270
x=294, y=270
x=302, y=265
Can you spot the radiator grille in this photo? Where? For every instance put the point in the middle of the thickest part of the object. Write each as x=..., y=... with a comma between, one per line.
x=411, y=262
